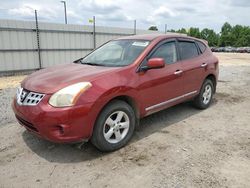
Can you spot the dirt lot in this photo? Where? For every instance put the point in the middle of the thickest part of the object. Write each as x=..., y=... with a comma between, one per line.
x=178, y=147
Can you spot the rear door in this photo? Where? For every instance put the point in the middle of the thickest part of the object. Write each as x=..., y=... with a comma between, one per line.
x=158, y=87
x=193, y=66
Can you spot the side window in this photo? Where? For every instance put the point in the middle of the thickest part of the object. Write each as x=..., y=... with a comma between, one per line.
x=166, y=51
x=201, y=46
x=188, y=50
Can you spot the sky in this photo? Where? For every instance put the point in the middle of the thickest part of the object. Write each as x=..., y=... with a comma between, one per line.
x=122, y=13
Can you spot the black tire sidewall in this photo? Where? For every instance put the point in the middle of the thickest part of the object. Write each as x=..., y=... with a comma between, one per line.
x=199, y=99
x=98, y=138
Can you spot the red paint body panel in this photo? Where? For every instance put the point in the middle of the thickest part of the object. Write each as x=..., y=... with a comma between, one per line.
x=156, y=86
x=52, y=79
x=146, y=89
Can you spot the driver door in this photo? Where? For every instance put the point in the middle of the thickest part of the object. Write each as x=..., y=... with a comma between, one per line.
x=160, y=88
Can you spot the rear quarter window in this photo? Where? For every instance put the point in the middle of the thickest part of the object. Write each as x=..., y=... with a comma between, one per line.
x=188, y=50
x=201, y=46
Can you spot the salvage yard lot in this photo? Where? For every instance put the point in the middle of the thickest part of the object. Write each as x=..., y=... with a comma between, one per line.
x=178, y=147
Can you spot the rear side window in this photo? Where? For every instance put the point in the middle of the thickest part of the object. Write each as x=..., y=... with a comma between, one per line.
x=166, y=51
x=188, y=50
x=201, y=46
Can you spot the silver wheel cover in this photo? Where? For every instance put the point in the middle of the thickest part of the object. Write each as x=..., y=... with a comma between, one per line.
x=116, y=127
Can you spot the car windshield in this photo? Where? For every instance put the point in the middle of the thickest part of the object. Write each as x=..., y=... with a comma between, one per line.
x=116, y=53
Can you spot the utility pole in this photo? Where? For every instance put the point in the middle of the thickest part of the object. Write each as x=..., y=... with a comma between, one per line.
x=166, y=28
x=38, y=41
x=94, y=34
x=65, y=11
x=134, y=27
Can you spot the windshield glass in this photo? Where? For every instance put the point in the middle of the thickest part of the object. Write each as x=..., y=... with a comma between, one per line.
x=116, y=53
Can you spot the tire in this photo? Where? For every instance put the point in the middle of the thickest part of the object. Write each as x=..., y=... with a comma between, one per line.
x=114, y=126
x=204, y=99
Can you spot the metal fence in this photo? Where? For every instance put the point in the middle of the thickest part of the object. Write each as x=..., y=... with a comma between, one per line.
x=28, y=45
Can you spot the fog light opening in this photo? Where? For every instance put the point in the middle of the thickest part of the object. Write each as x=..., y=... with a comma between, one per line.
x=60, y=129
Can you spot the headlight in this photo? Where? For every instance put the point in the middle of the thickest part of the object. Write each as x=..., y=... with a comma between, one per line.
x=18, y=91
x=68, y=95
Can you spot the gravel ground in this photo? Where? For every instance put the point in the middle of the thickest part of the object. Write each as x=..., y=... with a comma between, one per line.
x=7, y=91
x=6, y=114
x=177, y=147
x=10, y=81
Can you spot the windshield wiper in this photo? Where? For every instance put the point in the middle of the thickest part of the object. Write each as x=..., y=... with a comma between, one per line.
x=78, y=60
x=91, y=63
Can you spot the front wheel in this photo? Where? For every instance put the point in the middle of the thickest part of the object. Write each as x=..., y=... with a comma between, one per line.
x=203, y=100
x=114, y=126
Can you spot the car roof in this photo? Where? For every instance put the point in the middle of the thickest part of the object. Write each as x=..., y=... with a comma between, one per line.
x=151, y=37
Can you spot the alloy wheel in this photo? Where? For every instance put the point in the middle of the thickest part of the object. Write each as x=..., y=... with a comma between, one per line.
x=116, y=127
x=207, y=94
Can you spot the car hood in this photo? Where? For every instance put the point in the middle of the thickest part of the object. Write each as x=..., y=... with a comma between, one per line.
x=52, y=79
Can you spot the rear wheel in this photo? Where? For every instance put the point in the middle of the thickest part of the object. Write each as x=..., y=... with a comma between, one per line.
x=203, y=100
x=114, y=126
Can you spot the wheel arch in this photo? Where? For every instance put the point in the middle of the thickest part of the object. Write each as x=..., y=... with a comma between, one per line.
x=126, y=98
x=129, y=100
x=212, y=77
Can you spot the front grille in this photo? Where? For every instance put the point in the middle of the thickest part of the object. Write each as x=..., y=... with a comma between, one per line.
x=29, y=98
x=26, y=124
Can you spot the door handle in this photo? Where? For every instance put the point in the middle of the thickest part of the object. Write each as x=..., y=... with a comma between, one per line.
x=203, y=64
x=178, y=72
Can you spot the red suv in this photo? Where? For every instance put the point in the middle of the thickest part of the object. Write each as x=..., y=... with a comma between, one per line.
x=102, y=96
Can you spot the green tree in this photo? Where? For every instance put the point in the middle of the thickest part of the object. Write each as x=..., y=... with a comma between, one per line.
x=236, y=34
x=172, y=31
x=226, y=38
x=226, y=29
x=182, y=30
x=210, y=36
x=240, y=36
x=194, y=32
x=153, y=28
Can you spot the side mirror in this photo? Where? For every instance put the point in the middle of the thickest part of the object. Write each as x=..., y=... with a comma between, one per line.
x=154, y=63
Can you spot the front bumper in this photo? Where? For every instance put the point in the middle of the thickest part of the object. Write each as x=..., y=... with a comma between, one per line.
x=62, y=125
